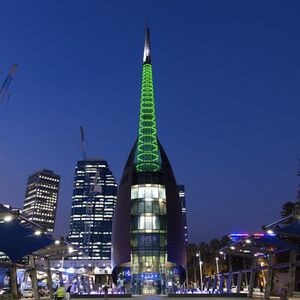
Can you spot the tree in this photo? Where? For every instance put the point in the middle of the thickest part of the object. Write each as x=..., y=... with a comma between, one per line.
x=192, y=250
x=209, y=252
x=298, y=194
x=287, y=209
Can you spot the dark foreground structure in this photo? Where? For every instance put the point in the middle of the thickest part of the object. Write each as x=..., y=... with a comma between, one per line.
x=26, y=249
x=148, y=240
x=271, y=259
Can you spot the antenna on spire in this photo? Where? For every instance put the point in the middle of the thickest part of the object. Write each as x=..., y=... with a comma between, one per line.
x=147, y=52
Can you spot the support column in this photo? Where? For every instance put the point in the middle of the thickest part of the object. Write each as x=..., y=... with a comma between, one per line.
x=229, y=263
x=60, y=277
x=214, y=287
x=221, y=285
x=239, y=282
x=292, y=273
x=269, y=277
x=229, y=282
x=246, y=275
x=187, y=278
x=252, y=277
x=195, y=278
x=208, y=283
x=49, y=277
x=230, y=270
x=33, y=276
x=13, y=281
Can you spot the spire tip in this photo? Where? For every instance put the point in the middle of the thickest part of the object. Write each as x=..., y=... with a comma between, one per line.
x=147, y=53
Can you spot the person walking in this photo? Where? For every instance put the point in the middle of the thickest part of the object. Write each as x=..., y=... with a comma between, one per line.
x=60, y=292
x=105, y=289
x=280, y=291
x=68, y=292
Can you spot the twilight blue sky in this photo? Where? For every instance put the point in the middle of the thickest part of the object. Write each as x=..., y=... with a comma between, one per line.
x=226, y=77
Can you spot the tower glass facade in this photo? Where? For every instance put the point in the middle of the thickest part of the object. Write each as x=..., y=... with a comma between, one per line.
x=41, y=198
x=148, y=237
x=93, y=203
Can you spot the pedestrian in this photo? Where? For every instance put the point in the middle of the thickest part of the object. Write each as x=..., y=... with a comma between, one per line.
x=261, y=286
x=105, y=289
x=68, y=292
x=280, y=291
x=60, y=292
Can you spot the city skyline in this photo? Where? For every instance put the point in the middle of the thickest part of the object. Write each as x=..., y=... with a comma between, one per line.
x=231, y=94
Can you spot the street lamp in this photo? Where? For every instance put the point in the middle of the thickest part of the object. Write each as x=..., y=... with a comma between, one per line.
x=201, y=276
x=200, y=268
x=217, y=264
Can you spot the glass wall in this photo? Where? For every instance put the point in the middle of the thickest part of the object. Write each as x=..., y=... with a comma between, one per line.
x=148, y=238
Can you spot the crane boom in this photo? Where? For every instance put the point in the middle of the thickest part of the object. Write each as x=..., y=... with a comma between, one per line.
x=82, y=143
x=5, y=85
x=88, y=189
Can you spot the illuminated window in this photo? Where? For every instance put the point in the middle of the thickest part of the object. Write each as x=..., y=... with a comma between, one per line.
x=148, y=222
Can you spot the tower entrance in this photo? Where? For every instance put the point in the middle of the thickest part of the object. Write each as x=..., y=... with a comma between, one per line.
x=148, y=237
x=147, y=284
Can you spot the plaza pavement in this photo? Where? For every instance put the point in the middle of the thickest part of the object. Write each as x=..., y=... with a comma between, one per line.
x=150, y=297
x=167, y=297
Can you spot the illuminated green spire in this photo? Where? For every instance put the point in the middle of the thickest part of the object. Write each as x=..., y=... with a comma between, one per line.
x=147, y=147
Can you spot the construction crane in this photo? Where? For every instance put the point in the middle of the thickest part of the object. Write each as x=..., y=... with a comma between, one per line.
x=82, y=144
x=5, y=85
x=90, y=190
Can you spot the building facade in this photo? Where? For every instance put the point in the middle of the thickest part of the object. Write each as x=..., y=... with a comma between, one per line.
x=93, y=204
x=181, y=190
x=148, y=242
x=41, y=198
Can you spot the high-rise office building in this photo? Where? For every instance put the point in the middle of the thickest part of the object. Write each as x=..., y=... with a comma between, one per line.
x=181, y=190
x=93, y=204
x=41, y=198
x=148, y=242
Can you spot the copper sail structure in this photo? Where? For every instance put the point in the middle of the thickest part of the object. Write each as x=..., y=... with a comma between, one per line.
x=148, y=243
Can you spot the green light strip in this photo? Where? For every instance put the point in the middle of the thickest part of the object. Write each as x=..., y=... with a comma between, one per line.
x=147, y=147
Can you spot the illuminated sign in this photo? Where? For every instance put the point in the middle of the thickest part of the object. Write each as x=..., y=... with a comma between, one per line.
x=148, y=239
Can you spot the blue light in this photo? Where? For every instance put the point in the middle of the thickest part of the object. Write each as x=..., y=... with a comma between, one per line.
x=149, y=276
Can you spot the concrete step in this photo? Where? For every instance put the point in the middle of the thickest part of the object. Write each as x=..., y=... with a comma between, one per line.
x=295, y=296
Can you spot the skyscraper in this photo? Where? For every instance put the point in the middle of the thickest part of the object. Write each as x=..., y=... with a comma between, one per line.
x=181, y=189
x=41, y=198
x=148, y=242
x=93, y=203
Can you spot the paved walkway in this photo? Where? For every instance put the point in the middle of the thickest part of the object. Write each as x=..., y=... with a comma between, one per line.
x=184, y=298
x=166, y=298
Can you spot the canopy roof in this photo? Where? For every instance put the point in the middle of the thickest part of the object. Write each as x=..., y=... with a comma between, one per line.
x=20, y=237
x=292, y=229
x=274, y=237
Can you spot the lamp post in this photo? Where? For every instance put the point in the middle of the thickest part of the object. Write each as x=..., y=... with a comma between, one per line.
x=200, y=268
x=217, y=264
x=194, y=267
